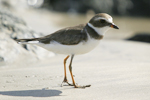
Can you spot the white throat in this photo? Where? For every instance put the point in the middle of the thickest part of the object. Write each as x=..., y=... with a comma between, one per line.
x=100, y=31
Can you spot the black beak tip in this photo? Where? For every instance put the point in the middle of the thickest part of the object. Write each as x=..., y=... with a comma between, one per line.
x=116, y=27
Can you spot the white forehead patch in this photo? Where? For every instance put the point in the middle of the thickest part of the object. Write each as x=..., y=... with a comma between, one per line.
x=110, y=20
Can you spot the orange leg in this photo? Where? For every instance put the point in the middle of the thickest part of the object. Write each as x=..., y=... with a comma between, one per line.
x=70, y=69
x=65, y=74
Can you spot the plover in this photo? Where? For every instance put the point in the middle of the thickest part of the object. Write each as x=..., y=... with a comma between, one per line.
x=75, y=40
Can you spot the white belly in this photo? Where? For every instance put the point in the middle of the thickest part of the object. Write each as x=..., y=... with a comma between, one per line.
x=81, y=48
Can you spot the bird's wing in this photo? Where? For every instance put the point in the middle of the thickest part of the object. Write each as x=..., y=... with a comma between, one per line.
x=67, y=36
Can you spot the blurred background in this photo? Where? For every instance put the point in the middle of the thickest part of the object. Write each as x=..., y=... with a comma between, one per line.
x=35, y=18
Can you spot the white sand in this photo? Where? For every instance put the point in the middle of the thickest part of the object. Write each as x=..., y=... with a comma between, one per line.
x=116, y=70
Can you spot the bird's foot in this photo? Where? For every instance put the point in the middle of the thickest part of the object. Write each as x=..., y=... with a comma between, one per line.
x=75, y=85
x=66, y=81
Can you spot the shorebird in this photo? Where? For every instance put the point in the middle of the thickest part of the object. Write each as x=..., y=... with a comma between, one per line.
x=75, y=40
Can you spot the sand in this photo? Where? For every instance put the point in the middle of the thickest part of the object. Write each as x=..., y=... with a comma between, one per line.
x=116, y=70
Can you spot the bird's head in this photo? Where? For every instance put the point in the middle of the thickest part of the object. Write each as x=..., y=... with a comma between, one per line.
x=101, y=23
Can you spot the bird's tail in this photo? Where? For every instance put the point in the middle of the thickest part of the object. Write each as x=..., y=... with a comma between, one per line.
x=26, y=41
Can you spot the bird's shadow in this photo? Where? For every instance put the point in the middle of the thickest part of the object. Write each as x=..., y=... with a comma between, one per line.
x=32, y=93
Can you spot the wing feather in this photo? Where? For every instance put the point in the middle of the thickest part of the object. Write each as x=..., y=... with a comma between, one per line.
x=67, y=36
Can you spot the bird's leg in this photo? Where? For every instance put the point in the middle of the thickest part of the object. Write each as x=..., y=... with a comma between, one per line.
x=70, y=69
x=65, y=74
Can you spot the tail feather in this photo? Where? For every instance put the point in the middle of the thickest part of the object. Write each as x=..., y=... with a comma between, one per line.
x=25, y=41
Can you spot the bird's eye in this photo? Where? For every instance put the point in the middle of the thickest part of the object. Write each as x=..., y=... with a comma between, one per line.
x=102, y=21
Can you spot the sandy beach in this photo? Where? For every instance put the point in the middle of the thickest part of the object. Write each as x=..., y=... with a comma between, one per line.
x=116, y=70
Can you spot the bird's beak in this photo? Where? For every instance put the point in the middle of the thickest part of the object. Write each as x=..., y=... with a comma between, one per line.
x=114, y=26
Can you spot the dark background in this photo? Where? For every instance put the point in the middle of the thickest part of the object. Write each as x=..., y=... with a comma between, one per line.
x=115, y=7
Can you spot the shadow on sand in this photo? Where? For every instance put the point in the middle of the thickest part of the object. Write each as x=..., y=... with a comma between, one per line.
x=32, y=93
